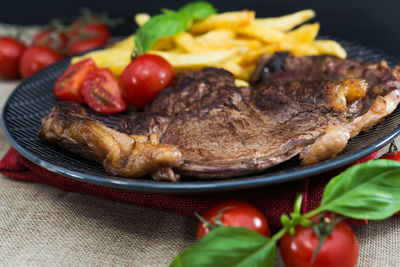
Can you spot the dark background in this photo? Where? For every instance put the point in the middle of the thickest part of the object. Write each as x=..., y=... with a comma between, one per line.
x=372, y=23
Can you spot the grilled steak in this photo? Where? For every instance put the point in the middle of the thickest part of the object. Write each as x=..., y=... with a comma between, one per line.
x=309, y=106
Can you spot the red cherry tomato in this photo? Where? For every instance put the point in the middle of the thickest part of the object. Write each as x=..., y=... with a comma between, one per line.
x=36, y=58
x=67, y=86
x=53, y=39
x=10, y=55
x=81, y=30
x=339, y=249
x=392, y=156
x=90, y=43
x=235, y=214
x=144, y=78
x=101, y=92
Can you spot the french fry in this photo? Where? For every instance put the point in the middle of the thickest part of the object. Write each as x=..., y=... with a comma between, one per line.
x=142, y=18
x=287, y=22
x=265, y=34
x=219, y=34
x=187, y=43
x=330, y=47
x=164, y=44
x=304, y=34
x=318, y=47
x=229, y=43
x=298, y=49
x=114, y=59
x=127, y=43
x=251, y=56
x=240, y=83
x=237, y=70
x=227, y=20
x=199, y=60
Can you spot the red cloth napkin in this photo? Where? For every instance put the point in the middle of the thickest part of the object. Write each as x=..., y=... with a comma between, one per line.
x=273, y=201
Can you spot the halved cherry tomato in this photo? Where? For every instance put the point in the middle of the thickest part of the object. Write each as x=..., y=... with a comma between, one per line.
x=67, y=86
x=340, y=248
x=144, y=78
x=11, y=51
x=51, y=38
x=236, y=214
x=101, y=92
x=36, y=58
x=79, y=46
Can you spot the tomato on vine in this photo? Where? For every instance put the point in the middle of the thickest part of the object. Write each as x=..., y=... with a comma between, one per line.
x=36, y=58
x=235, y=214
x=11, y=51
x=339, y=246
x=393, y=154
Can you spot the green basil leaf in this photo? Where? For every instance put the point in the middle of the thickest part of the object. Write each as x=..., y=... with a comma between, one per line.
x=198, y=10
x=157, y=27
x=365, y=191
x=170, y=23
x=229, y=246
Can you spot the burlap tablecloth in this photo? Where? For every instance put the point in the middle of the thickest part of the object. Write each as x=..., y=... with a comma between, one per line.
x=45, y=226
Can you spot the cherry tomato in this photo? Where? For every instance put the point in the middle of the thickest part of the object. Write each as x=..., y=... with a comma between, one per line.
x=144, y=78
x=10, y=55
x=80, y=30
x=53, y=39
x=392, y=156
x=36, y=58
x=235, y=214
x=101, y=92
x=67, y=86
x=340, y=248
x=83, y=45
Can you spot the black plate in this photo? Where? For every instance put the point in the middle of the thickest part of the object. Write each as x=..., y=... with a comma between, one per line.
x=34, y=98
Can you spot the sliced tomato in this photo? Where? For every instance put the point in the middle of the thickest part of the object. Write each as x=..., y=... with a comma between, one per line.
x=101, y=92
x=67, y=87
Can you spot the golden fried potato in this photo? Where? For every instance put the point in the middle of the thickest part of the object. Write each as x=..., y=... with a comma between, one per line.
x=240, y=83
x=219, y=34
x=237, y=70
x=265, y=34
x=164, y=44
x=187, y=43
x=199, y=60
x=127, y=43
x=287, y=22
x=251, y=56
x=304, y=34
x=330, y=47
x=142, y=18
x=114, y=59
x=227, y=20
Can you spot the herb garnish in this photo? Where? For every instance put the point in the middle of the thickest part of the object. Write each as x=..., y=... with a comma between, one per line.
x=170, y=23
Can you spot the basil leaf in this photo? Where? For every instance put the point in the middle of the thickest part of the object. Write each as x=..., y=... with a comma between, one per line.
x=229, y=246
x=157, y=27
x=198, y=10
x=365, y=191
x=170, y=23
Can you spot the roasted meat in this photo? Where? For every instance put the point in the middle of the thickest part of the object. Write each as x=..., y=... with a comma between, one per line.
x=121, y=154
x=307, y=106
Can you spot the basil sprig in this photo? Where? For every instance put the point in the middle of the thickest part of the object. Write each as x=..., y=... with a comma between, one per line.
x=365, y=191
x=170, y=23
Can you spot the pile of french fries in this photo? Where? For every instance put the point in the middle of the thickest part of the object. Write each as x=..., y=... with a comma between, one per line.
x=231, y=40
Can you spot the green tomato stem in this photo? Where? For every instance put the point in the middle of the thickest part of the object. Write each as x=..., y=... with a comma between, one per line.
x=275, y=238
x=297, y=203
